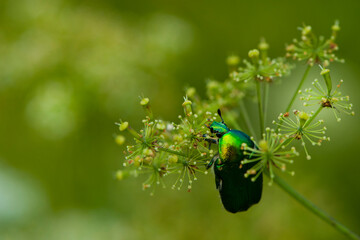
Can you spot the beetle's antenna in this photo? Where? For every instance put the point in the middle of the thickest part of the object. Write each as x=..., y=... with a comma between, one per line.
x=219, y=113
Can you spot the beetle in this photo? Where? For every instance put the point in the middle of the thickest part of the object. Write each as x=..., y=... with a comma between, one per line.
x=237, y=192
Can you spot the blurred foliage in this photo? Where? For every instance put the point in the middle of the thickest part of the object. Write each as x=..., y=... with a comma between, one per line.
x=70, y=69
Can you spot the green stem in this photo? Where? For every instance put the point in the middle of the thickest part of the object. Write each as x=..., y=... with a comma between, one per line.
x=266, y=99
x=172, y=151
x=135, y=134
x=313, y=116
x=284, y=143
x=314, y=209
x=260, y=107
x=306, y=73
x=246, y=118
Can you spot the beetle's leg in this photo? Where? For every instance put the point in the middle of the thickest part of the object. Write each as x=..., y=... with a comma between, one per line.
x=210, y=140
x=212, y=161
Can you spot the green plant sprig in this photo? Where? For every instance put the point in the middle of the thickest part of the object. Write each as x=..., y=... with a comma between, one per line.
x=163, y=148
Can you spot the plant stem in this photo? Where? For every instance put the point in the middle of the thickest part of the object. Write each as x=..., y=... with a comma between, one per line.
x=266, y=99
x=134, y=134
x=306, y=73
x=172, y=151
x=246, y=118
x=260, y=106
x=314, y=209
x=313, y=116
x=284, y=143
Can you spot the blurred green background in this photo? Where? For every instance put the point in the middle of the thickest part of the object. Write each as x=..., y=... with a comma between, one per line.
x=70, y=69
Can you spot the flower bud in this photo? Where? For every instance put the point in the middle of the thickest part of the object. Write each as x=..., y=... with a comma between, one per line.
x=335, y=27
x=148, y=152
x=120, y=139
x=187, y=107
x=263, y=45
x=303, y=116
x=263, y=144
x=161, y=126
x=232, y=60
x=144, y=101
x=290, y=48
x=173, y=159
x=148, y=160
x=120, y=175
x=212, y=88
x=137, y=161
x=326, y=74
x=178, y=138
x=326, y=63
x=254, y=53
x=123, y=126
x=325, y=71
x=306, y=30
x=190, y=92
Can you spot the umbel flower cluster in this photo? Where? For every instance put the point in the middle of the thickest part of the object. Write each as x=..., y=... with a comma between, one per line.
x=162, y=148
x=314, y=49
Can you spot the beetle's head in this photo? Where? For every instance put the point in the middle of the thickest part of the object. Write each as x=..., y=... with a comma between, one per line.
x=219, y=128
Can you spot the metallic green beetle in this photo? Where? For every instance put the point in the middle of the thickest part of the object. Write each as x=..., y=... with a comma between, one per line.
x=237, y=192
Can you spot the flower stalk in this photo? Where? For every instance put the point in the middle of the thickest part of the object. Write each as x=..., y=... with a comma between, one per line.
x=260, y=107
x=306, y=73
x=313, y=208
x=313, y=117
x=247, y=118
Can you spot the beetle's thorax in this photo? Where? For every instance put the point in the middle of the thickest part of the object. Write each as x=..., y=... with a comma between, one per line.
x=219, y=128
